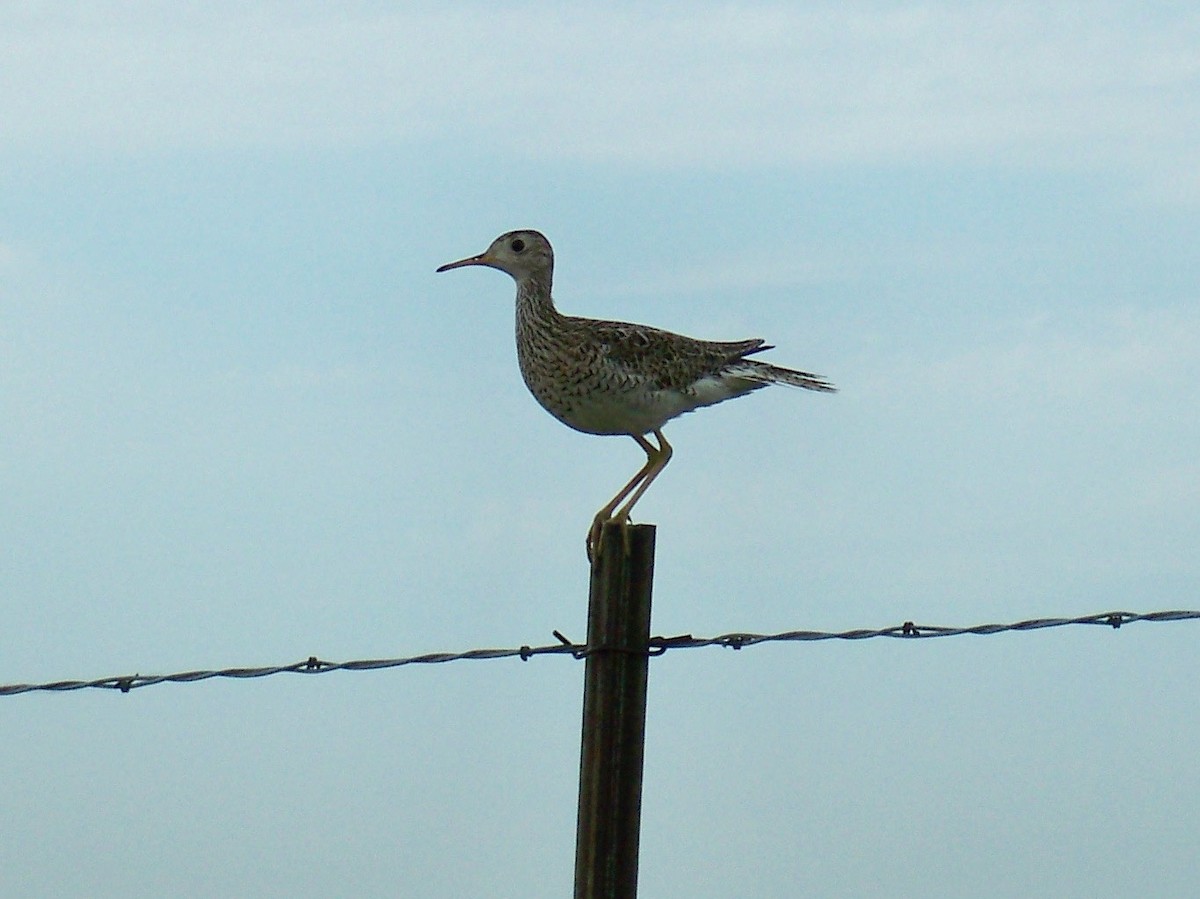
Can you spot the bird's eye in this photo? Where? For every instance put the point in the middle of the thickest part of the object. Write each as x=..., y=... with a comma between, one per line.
x=517, y=245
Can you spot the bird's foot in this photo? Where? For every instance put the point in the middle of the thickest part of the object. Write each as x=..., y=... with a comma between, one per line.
x=593, y=537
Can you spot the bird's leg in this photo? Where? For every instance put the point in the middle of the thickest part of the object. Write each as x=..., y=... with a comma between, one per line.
x=652, y=453
x=657, y=462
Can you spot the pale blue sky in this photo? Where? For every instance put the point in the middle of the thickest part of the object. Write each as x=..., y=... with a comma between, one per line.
x=244, y=422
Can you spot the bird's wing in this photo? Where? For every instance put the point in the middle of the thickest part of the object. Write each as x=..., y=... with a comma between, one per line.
x=676, y=361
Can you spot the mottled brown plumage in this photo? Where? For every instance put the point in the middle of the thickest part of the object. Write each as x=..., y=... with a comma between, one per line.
x=605, y=377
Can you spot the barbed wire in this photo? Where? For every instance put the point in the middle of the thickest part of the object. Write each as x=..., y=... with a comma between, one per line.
x=657, y=646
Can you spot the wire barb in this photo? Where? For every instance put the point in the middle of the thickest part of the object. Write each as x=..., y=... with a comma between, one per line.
x=658, y=646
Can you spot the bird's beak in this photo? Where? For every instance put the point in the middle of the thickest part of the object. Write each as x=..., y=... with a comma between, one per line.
x=481, y=259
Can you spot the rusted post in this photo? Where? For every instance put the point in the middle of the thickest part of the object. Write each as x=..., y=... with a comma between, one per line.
x=614, y=714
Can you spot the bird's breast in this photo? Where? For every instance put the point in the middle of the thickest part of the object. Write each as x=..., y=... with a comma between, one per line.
x=584, y=392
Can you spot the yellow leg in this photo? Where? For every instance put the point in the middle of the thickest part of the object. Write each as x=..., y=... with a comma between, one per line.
x=656, y=459
x=657, y=463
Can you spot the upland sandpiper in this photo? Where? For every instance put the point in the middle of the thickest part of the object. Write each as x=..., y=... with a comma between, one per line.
x=604, y=377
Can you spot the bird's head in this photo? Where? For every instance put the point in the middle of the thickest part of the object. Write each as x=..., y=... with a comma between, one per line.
x=522, y=254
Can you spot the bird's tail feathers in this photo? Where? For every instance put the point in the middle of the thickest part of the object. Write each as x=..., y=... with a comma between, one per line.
x=766, y=373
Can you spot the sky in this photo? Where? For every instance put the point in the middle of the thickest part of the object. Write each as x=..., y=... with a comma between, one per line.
x=243, y=422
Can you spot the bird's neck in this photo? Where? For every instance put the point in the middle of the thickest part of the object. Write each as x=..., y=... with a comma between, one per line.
x=534, y=303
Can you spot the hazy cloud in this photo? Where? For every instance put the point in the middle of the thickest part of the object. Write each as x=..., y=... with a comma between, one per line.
x=717, y=87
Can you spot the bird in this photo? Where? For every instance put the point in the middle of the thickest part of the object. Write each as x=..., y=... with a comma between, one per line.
x=617, y=378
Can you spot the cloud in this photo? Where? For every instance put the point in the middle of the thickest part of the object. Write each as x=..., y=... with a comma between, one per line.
x=1094, y=369
x=713, y=87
